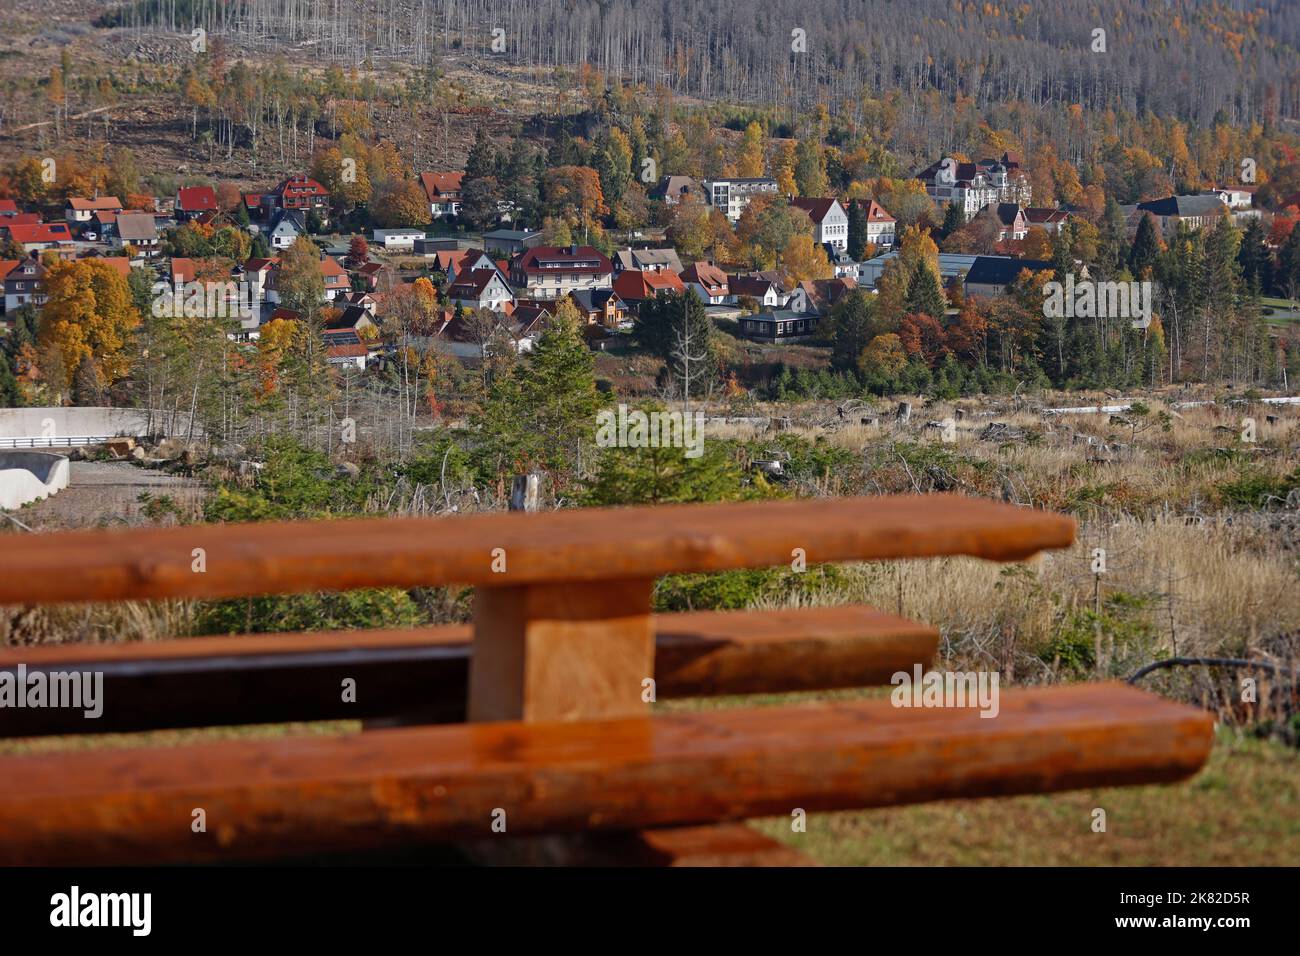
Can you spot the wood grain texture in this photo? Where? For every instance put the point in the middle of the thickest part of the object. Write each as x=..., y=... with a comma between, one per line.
x=570, y=545
x=421, y=675
x=276, y=797
x=561, y=651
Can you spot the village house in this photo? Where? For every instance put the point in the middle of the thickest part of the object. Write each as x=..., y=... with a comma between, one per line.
x=257, y=273
x=285, y=228
x=603, y=307
x=42, y=236
x=976, y=185
x=1236, y=198
x=22, y=283
x=830, y=221
x=193, y=201
x=635, y=286
x=363, y=299
x=452, y=263
x=671, y=189
x=647, y=260
x=298, y=192
x=777, y=326
x=1196, y=211
x=1050, y=220
x=733, y=195
x=371, y=273
x=353, y=319
x=708, y=281
x=83, y=211
x=765, y=292
x=1012, y=224
x=8, y=207
x=550, y=272
x=349, y=355
x=819, y=296
x=138, y=230
x=881, y=226
x=443, y=192
x=334, y=275
x=990, y=275
x=481, y=289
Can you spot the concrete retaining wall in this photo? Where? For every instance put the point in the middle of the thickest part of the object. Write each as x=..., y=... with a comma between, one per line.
x=30, y=476
x=61, y=427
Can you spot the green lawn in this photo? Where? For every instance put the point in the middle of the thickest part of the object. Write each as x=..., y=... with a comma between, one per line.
x=1243, y=809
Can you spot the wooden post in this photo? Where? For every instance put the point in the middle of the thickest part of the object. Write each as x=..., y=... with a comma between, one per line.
x=561, y=651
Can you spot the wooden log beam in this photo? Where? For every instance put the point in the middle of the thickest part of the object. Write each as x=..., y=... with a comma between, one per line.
x=276, y=797
x=561, y=651
x=499, y=550
x=421, y=675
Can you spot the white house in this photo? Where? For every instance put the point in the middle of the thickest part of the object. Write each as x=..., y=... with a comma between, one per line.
x=976, y=185
x=285, y=229
x=550, y=272
x=881, y=226
x=480, y=289
x=708, y=281
x=830, y=221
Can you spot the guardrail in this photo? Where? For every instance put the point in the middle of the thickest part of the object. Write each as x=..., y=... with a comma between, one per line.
x=71, y=441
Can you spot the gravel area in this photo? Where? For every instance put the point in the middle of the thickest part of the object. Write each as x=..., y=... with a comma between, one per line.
x=103, y=493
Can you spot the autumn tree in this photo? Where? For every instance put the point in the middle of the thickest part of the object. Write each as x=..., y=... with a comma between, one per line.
x=400, y=203
x=88, y=314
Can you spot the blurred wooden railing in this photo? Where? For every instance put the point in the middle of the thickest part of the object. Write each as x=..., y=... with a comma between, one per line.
x=538, y=715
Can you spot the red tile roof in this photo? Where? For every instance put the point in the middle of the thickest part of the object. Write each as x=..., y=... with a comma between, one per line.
x=441, y=185
x=583, y=260
x=347, y=351
x=196, y=198
x=297, y=188
x=40, y=232
x=877, y=212
x=633, y=285
x=815, y=208
x=713, y=279
x=8, y=207
x=90, y=205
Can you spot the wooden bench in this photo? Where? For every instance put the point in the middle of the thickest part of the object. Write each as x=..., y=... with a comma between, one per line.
x=537, y=713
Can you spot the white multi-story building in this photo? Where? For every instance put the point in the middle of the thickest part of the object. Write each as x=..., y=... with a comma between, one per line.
x=830, y=221
x=733, y=195
x=548, y=272
x=976, y=185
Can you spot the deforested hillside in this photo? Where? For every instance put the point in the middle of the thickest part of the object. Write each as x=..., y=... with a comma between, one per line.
x=1187, y=58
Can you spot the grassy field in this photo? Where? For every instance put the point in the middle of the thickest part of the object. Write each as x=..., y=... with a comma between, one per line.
x=1243, y=809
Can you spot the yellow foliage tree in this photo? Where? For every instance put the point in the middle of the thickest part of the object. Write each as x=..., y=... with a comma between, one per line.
x=88, y=314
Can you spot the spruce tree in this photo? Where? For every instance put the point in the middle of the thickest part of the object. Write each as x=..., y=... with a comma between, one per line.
x=954, y=217
x=857, y=231
x=924, y=294
x=1146, y=248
